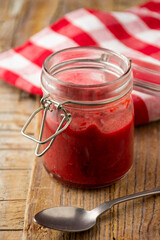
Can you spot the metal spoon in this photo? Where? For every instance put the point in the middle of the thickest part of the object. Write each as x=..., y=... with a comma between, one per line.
x=72, y=219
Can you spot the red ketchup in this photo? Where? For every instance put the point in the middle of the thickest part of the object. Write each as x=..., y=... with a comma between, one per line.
x=88, y=157
x=92, y=151
x=94, y=85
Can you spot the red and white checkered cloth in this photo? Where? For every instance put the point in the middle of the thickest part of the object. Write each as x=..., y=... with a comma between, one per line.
x=135, y=33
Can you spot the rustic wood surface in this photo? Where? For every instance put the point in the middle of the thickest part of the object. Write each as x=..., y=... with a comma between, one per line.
x=139, y=219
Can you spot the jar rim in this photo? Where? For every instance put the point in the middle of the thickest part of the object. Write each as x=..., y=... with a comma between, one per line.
x=121, y=56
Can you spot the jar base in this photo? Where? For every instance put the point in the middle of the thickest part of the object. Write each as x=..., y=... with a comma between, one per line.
x=84, y=186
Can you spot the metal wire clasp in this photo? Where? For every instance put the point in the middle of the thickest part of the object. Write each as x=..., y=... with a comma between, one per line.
x=46, y=103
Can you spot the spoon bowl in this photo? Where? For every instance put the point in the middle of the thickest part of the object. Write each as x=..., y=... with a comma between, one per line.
x=68, y=219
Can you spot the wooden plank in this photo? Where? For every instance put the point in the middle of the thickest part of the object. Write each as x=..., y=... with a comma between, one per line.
x=14, y=235
x=15, y=108
x=14, y=140
x=138, y=219
x=16, y=153
x=14, y=122
x=36, y=14
x=12, y=215
x=14, y=184
x=16, y=159
x=15, y=101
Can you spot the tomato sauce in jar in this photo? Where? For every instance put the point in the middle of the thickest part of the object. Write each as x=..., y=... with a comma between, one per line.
x=94, y=86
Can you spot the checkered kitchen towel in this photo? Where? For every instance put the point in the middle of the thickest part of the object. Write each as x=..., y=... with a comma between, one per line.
x=135, y=33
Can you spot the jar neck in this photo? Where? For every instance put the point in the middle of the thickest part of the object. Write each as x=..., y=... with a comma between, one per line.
x=86, y=75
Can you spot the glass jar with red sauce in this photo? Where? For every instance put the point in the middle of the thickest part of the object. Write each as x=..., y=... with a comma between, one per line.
x=89, y=121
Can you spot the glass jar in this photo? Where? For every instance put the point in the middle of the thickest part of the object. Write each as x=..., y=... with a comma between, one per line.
x=91, y=89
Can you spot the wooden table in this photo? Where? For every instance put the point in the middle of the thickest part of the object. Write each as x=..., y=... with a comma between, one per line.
x=139, y=219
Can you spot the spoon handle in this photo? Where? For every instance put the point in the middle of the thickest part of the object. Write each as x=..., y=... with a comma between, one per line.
x=107, y=205
x=135, y=195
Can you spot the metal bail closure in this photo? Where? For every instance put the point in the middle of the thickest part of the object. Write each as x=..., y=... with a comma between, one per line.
x=46, y=103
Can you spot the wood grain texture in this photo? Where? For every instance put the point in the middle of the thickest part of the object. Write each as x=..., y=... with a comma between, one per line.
x=138, y=219
x=14, y=235
x=16, y=159
x=16, y=154
x=12, y=215
x=14, y=184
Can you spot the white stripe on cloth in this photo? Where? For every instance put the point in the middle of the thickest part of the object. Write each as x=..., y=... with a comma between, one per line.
x=152, y=104
x=50, y=40
x=151, y=37
x=16, y=63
